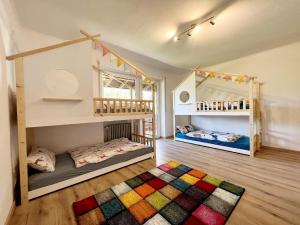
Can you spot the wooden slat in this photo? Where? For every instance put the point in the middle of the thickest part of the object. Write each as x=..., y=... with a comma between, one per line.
x=50, y=47
x=251, y=119
x=19, y=70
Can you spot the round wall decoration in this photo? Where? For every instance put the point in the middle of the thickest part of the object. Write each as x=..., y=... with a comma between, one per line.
x=184, y=96
x=61, y=83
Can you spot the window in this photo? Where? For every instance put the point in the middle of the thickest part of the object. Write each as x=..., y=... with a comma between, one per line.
x=118, y=86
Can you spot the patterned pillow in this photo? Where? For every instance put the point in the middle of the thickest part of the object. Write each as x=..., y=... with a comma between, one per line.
x=182, y=129
x=41, y=159
x=227, y=137
x=201, y=134
x=189, y=128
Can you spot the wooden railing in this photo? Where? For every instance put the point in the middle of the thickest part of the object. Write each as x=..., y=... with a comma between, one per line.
x=112, y=106
x=148, y=141
x=224, y=105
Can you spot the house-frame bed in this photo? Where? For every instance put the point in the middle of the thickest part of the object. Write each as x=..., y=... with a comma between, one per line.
x=35, y=111
x=244, y=107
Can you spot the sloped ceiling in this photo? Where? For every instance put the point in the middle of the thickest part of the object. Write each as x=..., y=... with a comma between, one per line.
x=147, y=27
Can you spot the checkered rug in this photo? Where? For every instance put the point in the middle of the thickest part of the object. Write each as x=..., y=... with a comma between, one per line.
x=171, y=194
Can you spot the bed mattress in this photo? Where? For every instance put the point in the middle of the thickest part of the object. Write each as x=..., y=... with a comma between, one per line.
x=65, y=168
x=242, y=143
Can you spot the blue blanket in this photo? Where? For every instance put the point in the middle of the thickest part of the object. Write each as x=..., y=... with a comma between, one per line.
x=242, y=143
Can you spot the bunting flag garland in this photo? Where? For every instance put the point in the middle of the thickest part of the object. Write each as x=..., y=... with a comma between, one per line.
x=105, y=51
x=119, y=62
x=226, y=77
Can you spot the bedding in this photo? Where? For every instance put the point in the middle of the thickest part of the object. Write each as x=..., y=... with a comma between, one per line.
x=201, y=134
x=65, y=168
x=242, y=143
x=41, y=159
x=102, y=151
x=227, y=137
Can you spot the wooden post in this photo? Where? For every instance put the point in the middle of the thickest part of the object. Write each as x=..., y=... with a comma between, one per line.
x=153, y=121
x=258, y=117
x=251, y=118
x=23, y=169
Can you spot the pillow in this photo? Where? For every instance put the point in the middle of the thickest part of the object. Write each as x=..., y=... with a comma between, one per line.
x=201, y=134
x=182, y=129
x=189, y=128
x=227, y=137
x=41, y=159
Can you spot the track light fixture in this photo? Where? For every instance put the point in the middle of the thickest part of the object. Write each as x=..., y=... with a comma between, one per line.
x=192, y=27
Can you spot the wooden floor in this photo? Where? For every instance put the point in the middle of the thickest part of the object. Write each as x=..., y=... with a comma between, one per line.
x=272, y=182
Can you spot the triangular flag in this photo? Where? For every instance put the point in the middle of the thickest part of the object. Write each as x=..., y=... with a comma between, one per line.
x=126, y=67
x=112, y=58
x=97, y=44
x=119, y=62
x=226, y=78
x=105, y=51
x=148, y=81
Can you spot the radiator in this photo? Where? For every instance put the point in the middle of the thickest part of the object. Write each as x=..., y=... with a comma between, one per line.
x=118, y=130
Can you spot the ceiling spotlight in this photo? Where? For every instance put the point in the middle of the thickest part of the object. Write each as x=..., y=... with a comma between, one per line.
x=176, y=38
x=194, y=28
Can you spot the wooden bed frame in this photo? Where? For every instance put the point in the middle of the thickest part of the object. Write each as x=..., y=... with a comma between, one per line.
x=249, y=107
x=144, y=110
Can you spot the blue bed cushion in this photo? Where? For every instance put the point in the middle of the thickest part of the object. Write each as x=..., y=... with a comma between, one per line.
x=242, y=143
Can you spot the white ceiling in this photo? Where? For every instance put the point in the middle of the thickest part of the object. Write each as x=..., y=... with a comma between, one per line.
x=147, y=27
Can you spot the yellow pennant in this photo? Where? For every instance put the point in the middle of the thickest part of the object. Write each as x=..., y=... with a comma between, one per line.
x=148, y=81
x=119, y=62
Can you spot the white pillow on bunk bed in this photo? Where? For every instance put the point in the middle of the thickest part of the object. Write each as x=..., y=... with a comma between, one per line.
x=227, y=137
x=41, y=159
x=205, y=134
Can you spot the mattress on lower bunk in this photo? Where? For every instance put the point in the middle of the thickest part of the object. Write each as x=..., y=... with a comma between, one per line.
x=241, y=143
x=65, y=168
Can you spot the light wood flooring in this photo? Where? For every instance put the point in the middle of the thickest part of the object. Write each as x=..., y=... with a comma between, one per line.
x=271, y=179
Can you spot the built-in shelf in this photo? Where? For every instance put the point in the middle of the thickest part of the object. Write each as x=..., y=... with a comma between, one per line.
x=74, y=99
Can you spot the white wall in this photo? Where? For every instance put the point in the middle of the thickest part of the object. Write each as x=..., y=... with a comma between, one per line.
x=8, y=146
x=279, y=70
x=187, y=85
x=232, y=124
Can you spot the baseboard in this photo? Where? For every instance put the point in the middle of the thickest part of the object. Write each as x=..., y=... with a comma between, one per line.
x=10, y=214
x=277, y=148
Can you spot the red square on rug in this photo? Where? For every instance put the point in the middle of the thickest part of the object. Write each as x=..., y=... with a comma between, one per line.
x=208, y=216
x=205, y=186
x=193, y=221
x=157, y=183
x=84, y=205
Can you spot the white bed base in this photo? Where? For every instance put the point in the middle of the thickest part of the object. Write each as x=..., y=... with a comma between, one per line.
x=236, y=150
x=66, y=183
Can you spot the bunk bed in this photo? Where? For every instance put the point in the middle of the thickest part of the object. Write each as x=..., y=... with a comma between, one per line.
x=80, y=106
x=186, y=106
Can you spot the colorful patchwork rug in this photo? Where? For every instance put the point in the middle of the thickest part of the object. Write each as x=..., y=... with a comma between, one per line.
x=171, y=194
